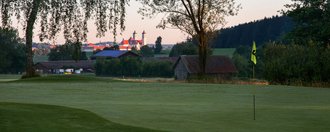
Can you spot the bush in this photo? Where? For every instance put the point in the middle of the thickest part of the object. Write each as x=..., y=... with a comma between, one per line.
x=157, y=69
x=111, y=67
x=296, y=64
x=133, y=67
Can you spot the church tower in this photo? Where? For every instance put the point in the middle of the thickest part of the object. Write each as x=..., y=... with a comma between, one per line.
x=134, y=35
x=144, y=38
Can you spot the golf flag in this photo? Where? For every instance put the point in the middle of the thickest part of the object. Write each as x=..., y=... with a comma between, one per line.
x=253, y=53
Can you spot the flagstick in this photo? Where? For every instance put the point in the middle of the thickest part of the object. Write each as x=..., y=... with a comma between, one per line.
x=253, y=71
x=254, y=96
x=254, y=107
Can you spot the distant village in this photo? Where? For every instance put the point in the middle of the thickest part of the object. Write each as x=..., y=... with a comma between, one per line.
x=124, y=45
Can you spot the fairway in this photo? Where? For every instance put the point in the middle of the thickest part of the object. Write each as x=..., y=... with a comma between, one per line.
x=184, y=107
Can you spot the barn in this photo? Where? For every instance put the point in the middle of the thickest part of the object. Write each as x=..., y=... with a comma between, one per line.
x=219, y=67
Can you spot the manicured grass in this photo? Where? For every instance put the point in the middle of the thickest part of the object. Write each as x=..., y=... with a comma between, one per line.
x=65, y=79
x=224, y=51
x=15, y=117
x=185, y=107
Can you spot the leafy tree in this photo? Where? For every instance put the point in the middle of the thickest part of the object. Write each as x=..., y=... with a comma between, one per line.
x=146, y=51
x=116, y=47
x=312, y=20
x=196, y=17
x=12, y=56
x=70, y=15
x=184, y=48
x=158, y=47
x=68, y=51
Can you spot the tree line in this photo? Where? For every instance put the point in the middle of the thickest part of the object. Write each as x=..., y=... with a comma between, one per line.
x=260, y=31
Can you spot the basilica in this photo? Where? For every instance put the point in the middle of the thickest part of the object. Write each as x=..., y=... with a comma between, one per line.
x=133, y=42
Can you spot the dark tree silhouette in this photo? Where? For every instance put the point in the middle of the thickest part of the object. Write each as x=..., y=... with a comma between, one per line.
x=196, y=17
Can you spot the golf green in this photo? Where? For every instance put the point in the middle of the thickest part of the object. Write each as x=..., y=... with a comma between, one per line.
x=183, y=106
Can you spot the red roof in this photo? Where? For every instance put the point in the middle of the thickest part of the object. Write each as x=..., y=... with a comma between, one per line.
x=125, y=42
x=125, y=47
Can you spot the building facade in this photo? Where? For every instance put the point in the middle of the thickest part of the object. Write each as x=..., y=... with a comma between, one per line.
x=217, y=67
x=133, y=42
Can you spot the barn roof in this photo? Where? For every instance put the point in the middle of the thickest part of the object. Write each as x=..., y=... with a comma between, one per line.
x=85, y=64
x=112, y=53
x=215, y=64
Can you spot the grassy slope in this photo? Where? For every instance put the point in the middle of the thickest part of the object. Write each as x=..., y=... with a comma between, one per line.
x=185, y=107
x=224, y=51
x=9, y=77
x=34, y=118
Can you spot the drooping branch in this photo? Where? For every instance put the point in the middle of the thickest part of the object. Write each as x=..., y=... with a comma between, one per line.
x=69, y=16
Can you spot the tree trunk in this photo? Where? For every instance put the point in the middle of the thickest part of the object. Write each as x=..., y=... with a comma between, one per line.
x=30, y=71
x=202, y=47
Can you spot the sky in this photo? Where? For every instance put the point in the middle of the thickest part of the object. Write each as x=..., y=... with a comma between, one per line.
x=251, y=10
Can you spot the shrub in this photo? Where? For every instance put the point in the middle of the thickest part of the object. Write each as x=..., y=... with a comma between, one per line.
x=133, y=67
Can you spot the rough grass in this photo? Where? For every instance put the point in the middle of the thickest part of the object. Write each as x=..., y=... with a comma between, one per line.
x=15, y=117
x=184, y=107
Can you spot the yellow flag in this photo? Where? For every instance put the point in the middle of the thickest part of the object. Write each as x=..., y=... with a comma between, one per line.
x=254, y=53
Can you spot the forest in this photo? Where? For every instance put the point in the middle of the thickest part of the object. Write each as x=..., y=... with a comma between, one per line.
x=260, y=31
